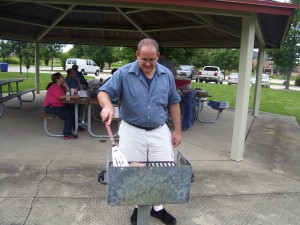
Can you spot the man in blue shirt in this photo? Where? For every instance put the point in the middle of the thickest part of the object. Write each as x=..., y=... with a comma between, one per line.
x=80, y=76
x=72, y=79
x=146, y=91
x=73, y=82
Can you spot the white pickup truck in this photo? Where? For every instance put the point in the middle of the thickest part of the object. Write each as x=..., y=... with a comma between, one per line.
x=210, y=74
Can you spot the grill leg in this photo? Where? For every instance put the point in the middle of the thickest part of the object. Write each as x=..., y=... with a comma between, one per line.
x=143, y=217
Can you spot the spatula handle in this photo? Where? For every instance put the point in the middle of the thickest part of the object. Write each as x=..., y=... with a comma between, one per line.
x=111, y=137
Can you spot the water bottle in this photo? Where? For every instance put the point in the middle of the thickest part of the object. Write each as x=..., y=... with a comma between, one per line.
x=68, y=96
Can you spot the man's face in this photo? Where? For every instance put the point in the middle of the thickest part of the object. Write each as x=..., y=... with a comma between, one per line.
x=73, y=73
x=147, y=59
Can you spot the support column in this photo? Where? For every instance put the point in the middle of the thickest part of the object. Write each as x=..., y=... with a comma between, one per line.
x=37, y=68
x=257, y=92
x=243, y=90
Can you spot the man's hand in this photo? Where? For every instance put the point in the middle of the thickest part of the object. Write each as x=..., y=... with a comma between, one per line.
x=176, y=138
x=107, y=112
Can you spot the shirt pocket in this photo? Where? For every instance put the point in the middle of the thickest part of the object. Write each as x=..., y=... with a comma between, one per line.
x=163, y=97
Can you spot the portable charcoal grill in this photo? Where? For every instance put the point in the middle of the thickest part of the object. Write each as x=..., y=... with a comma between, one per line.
x=153, y=184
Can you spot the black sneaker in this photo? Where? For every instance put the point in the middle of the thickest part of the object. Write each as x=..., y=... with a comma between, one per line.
x=164, y=216
x=133, y=218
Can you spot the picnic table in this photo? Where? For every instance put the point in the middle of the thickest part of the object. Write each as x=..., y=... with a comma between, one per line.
x=13, y=92
x=89, y=103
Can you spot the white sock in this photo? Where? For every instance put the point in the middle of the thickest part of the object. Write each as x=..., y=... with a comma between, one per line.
x=158, y=207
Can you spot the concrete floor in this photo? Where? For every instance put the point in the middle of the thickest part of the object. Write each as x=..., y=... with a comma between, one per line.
x=47, y=180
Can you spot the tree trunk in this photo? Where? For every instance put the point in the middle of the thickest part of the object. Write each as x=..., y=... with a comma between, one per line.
x=52, y=63
x=21, y=65
x=287, y=81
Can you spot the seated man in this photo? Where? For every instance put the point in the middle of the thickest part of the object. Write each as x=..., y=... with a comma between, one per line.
x=80, y=76
x=72, y=79
x=73, y=82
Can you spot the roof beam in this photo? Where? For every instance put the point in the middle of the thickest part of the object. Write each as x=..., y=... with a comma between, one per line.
x=96, y=27
x=58, y=18
x=219, y=26
x=209, y=21
x=133, y=21
x=259, y=32
x=22, y=19
x=118, y=42
x=176, y=26
x=13, y=36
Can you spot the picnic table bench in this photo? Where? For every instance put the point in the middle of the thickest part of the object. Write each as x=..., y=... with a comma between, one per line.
x=13, y=94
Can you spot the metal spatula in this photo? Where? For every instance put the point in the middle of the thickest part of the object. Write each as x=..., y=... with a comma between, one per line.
x=117, y=156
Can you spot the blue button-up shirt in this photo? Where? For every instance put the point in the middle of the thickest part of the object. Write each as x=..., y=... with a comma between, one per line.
x=72, y=83
x=141, y=105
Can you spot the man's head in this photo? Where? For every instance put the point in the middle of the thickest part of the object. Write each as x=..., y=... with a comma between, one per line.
x=147, y=55
x=75, y=67
x=71, y=73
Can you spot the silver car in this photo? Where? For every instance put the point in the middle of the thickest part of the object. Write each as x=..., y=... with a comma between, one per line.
x=233, y=78
x=187, y=72
x=266, y=80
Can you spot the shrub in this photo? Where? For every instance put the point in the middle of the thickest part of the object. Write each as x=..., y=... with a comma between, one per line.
x=297, y=81
x=12, y=61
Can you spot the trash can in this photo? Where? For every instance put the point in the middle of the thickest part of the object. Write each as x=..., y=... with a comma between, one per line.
x=3, y=67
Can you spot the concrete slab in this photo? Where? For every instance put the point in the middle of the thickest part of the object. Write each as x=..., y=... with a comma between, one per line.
x=47, y=180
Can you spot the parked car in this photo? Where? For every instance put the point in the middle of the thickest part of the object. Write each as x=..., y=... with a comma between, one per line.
x=187, y=72
x=233, y=78
x=210, y=74
x=84, y=65
x=266, y=80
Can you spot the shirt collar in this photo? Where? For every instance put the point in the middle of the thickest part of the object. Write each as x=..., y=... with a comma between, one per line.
x=135, y=69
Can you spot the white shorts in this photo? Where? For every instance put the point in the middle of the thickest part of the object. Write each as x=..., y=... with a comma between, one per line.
x=139, y=145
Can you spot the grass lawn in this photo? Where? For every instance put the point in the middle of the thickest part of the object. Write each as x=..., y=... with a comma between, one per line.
x=282, y=102
x=45, y=78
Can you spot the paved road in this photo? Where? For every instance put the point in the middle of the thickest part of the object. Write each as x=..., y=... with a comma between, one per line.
x=275, y=83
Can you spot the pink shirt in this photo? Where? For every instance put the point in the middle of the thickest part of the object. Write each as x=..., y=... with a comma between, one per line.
x=53, y=96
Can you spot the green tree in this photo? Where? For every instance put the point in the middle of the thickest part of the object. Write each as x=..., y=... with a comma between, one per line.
x=100, y=54
x=77, y=51
x=63, y=58
x=226, y=59
x=28, y=58
x=49, y=52
x=124, y=54
x=202, y=58
x=287, y=57
x=5, y=49
x=17, y=47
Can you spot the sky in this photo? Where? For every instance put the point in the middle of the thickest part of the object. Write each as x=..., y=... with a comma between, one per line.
x=67, y=48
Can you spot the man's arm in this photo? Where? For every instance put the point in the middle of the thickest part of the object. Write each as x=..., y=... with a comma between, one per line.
x=175, y=116
x=107, y=112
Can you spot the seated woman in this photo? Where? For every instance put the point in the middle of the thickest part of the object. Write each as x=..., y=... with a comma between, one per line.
x=56, y=90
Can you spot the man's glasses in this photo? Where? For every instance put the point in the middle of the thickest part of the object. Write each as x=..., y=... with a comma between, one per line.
x=143, y=60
